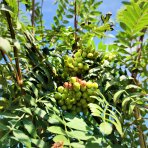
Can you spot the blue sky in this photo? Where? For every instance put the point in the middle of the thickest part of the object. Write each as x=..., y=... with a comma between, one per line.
x=49, y=11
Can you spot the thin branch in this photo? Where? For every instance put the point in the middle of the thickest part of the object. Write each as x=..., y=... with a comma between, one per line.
x=74, y=48
x=41, y=19
x=137, y=111
x=33, y=16
x=15, y=50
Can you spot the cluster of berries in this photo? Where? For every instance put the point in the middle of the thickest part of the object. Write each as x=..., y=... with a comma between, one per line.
x=75, y=95
x=77, y=64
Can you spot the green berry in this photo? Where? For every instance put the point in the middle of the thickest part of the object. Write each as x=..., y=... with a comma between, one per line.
x=60, y=89
x=86, y=67
x=95, y=85
x=73, y=79
x=76, y=86
x=90, y=55
x=64, y=107
x=57, y=96
x=80, y=65
x=61, y=102
x=77, y=54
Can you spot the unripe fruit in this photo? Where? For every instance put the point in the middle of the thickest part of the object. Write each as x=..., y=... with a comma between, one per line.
x=60, y=89
x=73, y=101
x=78, y=59
x=90, y=55
x=83, y=88
x=61, y=102
x=89, y=84
x=64, y=107
x=65, y=91
x=65, y=57
x=57, y=96
x=76, y=69
x=70, y=65
x=69, y=106
x=84, y=54
x=64, y=96
x=67, y=101
x=78, y=94
x=84, y=105
x=76, y=86
x=95, y=85
x=80, y=65
x=70, y=60
x=90, y=91
x=85, y=95
x=77, y=54
x=86, y=67
x=75, y=63
x=73, y=79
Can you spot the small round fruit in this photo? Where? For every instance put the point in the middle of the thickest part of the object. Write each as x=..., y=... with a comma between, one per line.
x=78, y=59
x=95, y=85
x=90, y=55
x=73, y=101
x=84, y=54
x=86, y=67
x=57, y=96
x=60, y=89
x=85, y=95
x=83, y=83
x=66, y=84
x=75, y=63
x=65, y=91
x=73, y=79
x=65, y=57
x=89, y=84
x=64, y=107
x=61, y=102
x=80, y=65
x=83, y=88
x=69, y=106
x=76, y=86
x=78, y=94
x=64, y=96
x=90, y=91
x=67, y=101
x=70, y=60
x=77, y=54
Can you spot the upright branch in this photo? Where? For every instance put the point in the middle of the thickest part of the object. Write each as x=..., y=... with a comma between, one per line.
x=42, y=18
x=137, y=111
x=15, y=50
x=33, y=16
x=75, y=26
